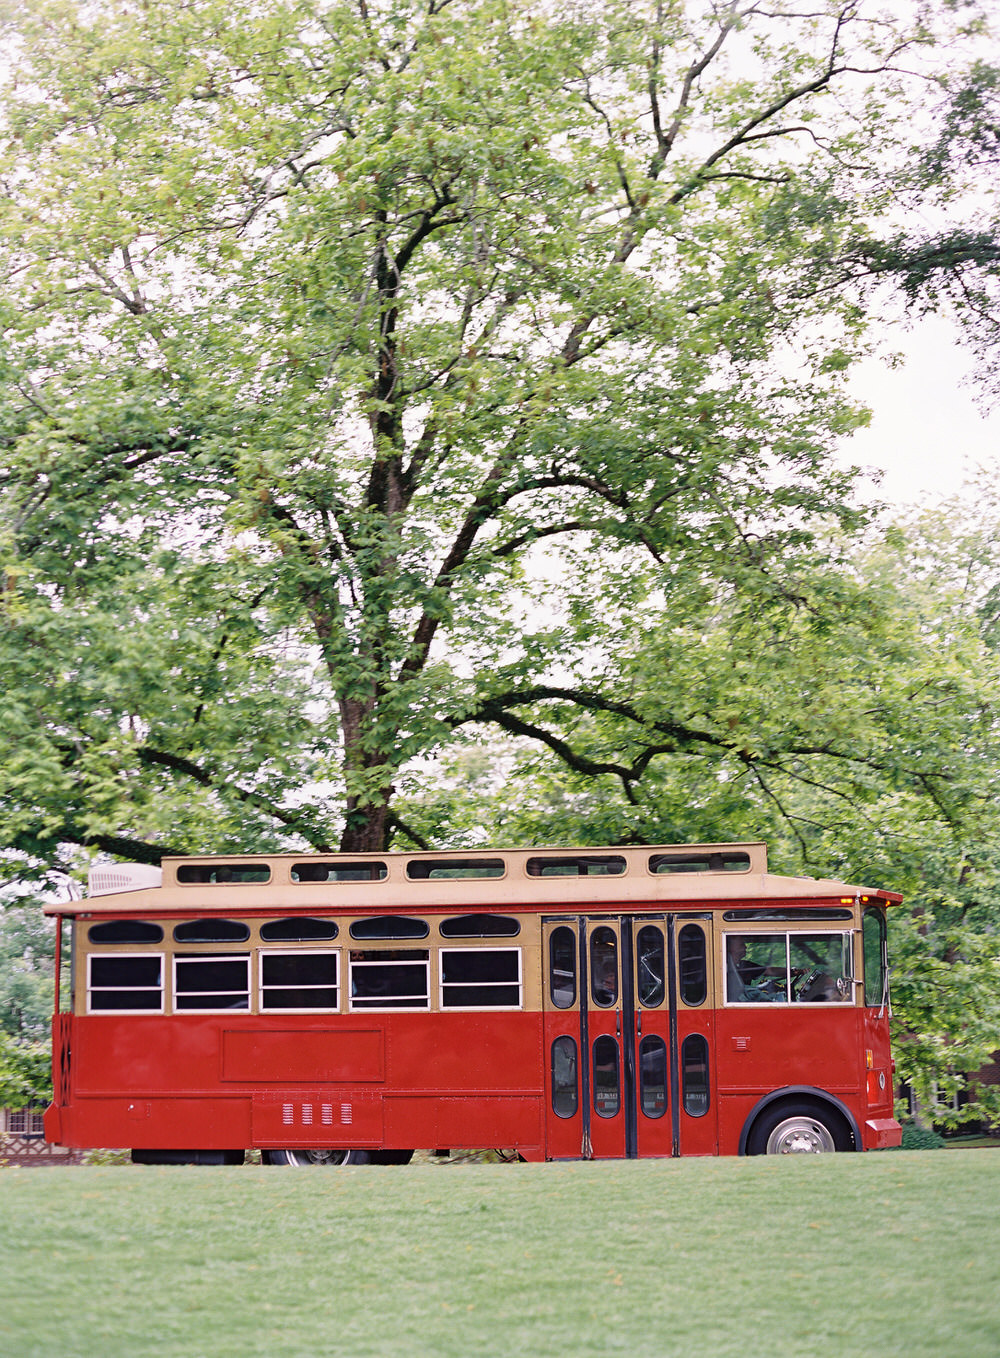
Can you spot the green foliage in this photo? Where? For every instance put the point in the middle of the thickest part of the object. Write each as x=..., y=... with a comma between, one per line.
x=25, y=1072
x=323, y=320
x=27, y=945
x=921, y=1139
x=847, y=717
x=104, y=1157
x=946, y=1004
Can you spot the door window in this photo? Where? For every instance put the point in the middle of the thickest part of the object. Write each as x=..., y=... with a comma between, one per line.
x=604, y=967
x=607, y=1095
x=653, y=1076
x=691, y=960
x=649, y=965
x=564, y=1081
x=562, y=967
x=694, y=1075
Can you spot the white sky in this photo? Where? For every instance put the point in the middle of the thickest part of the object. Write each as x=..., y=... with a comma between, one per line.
x=928, y=430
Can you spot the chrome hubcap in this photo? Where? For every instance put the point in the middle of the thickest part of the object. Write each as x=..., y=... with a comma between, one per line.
x=799, y=1136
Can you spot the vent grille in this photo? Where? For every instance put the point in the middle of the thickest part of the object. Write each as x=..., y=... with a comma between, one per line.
x=112, y=877
x=304, y=1114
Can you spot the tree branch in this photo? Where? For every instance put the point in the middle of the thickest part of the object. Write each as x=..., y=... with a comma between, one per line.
x=293, y=820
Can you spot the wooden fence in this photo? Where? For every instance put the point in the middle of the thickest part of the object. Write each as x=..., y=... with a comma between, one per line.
x=34, y=1150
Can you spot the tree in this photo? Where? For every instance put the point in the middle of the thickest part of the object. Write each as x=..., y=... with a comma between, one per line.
x=26, y=991
x=26, y=972
x=25, y=1072
x=849, y=718
x=331, y=326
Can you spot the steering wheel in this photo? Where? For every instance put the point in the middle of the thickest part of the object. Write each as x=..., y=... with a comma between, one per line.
x=805, y=981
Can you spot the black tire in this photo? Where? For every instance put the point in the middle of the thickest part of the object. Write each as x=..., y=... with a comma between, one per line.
x=323, y=1158
x=797, y=1126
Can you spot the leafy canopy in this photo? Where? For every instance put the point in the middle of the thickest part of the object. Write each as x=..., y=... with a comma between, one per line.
x=345, y=338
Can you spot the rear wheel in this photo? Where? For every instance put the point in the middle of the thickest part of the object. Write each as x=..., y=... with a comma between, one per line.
x=333, y=1158
x=801, y=1128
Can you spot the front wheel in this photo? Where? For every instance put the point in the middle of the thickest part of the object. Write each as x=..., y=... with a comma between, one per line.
x=333, y=1158
x=799, y=1129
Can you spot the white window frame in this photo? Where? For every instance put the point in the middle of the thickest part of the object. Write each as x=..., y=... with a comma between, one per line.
x=847, y=1002
x=125, y=990
x=202, y=958
x=263, y=988
x=369, y=1007
x=26, y=1122
x=444, y=987
x=949, y=1103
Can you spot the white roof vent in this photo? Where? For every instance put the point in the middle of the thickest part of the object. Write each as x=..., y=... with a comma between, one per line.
x=111, y=877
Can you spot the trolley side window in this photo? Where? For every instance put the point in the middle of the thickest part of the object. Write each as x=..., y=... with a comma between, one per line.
x=480, y=926
x=222, y=874
x=797, y=968
x=446, y=869
x=124, y=983
x=125, y=931
x=211, y=931
x=701, y=861
x=298, y=929
x=339, y=872
x=299, y=979
x=579, y=865
x=873, y=939
x=397, y=978
x=480, y=978
x=212, y=981
x=389, y=926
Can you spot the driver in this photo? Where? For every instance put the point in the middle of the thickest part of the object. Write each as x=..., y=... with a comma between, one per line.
x=740, y=973
x=744, y=979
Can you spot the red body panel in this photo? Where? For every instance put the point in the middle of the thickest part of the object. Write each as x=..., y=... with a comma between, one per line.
x=218, y=1081
x=806, y=1046
x=879, y=1128
x=403, y=1080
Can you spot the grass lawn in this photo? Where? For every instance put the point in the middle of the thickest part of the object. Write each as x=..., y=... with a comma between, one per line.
x=857, y=1255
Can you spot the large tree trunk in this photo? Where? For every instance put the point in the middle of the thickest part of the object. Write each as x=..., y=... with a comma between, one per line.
x=366, y=819
x=366, y=829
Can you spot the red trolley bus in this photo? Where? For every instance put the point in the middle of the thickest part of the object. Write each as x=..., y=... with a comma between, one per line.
x=590, y=1003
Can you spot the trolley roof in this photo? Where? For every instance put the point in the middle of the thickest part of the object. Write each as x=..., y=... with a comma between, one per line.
x=650, y=877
